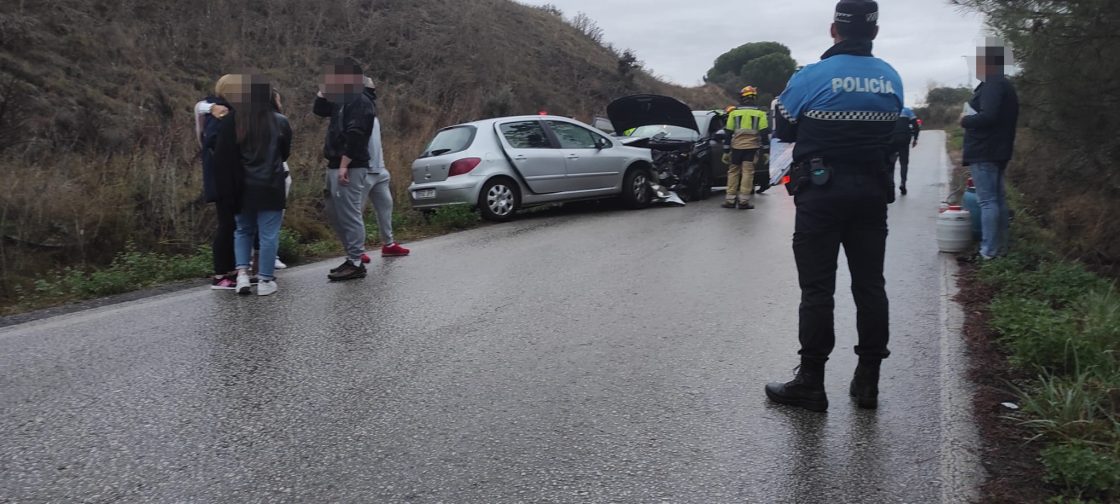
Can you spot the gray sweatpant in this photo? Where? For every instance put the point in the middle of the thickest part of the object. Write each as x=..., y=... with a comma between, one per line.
x=381, y=194
x=344, y=209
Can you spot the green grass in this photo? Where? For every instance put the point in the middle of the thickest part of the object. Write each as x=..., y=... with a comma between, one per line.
x=130, y=270
x=1060, y=323
x=134, y=270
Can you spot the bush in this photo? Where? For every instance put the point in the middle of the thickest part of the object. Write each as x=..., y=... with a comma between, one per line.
x=1082, y=470
x=129, y=271
x=290, y=249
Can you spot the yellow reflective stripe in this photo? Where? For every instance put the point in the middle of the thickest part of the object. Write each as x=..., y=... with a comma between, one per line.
x=758, y=119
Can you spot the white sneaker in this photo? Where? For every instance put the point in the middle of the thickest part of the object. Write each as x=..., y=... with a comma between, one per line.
x=280, y=265
x=267, y=287
x=244, y=286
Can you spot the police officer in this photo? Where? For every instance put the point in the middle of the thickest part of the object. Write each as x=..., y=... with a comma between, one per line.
x=746, y=131
x=905, y=135
x=841, y=112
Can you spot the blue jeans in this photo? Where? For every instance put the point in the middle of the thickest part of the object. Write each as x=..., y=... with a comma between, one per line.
x=995, y=217
x=266, y=223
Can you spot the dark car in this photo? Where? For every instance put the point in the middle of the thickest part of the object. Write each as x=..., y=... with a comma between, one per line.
x=719, y=170
x=681, y=149
x=687, y=145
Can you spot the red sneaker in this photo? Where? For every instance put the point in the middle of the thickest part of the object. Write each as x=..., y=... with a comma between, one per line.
x=394, y=250
x=365, y=259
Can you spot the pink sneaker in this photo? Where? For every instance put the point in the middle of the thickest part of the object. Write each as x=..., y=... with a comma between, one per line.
x=394, y=250
x=224, y=283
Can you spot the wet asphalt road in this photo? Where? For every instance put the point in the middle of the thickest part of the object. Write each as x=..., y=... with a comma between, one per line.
x=601, y=356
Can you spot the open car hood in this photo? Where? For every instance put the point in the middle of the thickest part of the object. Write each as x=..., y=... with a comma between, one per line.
x=646, y=109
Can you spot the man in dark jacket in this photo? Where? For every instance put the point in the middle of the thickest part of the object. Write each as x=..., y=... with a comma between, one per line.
x=905, y=135
x=989, y=139
x=347, y=151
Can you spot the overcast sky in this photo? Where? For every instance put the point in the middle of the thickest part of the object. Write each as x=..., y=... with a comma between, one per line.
x=679, y=39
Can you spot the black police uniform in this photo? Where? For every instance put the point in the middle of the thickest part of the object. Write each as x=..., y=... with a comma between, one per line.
x=841, y=112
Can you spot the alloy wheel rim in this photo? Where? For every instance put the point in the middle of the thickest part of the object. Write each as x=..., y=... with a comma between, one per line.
x=639, y=188
x=500, y=200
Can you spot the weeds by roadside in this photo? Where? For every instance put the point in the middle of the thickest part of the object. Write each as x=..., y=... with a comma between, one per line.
x=1060, y=327
x=134, y=269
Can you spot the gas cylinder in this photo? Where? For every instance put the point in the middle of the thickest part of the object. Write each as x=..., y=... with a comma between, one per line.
x=954, y=229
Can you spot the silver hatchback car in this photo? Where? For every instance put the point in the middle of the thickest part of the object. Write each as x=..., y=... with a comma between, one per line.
x=502, y=165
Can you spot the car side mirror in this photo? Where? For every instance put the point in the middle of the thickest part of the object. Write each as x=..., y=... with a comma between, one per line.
x=600, y=143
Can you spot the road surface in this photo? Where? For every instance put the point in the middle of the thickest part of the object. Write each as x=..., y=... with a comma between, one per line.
x=602, y=356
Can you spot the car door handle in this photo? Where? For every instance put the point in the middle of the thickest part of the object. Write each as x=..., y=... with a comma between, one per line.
x=573, y=156
x=520, y=158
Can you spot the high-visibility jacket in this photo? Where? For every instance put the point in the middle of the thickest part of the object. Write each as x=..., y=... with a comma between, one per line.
x=746, y=128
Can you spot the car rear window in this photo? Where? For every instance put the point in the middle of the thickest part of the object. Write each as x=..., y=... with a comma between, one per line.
x=450, y=141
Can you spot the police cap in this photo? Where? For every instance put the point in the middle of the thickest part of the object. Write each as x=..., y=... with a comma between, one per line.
x=857, y=19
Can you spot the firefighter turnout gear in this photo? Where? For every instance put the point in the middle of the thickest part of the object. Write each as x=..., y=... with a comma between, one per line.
x=747, y=130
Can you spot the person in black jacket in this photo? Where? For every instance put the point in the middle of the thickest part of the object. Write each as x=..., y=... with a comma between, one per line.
x=904, y=136
x=989, y=140
x=219, y=189
x=346, y=148
x=255, y=141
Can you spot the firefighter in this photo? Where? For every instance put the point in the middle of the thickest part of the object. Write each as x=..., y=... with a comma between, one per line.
x=747, y=130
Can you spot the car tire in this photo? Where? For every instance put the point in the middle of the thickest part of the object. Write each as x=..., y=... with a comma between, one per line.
x=499, y=199
x=635, y=188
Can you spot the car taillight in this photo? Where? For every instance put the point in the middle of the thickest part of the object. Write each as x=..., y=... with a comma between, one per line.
x=463, y=166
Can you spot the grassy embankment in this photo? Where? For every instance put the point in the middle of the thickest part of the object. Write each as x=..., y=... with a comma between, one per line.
x=1058, y=325
x=133, y=269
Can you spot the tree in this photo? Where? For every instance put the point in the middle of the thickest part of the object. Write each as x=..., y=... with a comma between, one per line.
x=769, y=73
x=627, y=64
x=765, y=65
x=943, y=106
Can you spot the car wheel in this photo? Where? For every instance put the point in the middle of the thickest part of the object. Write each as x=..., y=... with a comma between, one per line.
x=499, y=200
x=635, y=188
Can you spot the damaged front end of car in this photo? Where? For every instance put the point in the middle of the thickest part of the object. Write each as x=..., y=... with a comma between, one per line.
x=668, y=128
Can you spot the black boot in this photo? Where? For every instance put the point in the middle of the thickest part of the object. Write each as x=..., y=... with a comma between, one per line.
x=865, y=384
x=805, y=391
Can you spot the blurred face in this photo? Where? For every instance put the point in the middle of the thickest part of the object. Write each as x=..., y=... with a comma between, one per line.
x=992, y=58
x=236, y=89
x=341, y=87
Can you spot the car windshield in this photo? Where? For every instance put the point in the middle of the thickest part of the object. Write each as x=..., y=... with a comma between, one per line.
x=450, y=141
x=665, y=132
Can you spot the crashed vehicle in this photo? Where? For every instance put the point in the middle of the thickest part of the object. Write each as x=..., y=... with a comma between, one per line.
x=682, y=152
x=503, y=165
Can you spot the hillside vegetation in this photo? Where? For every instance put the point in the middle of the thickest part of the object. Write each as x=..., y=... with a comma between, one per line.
x=96, y=132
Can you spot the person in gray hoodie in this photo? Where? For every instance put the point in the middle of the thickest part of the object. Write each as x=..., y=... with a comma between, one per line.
x=381, y=189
